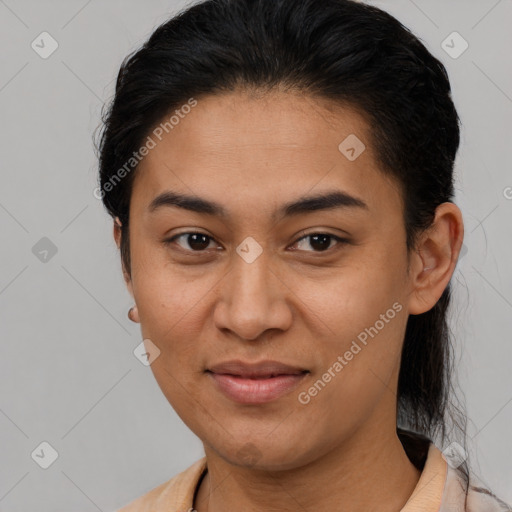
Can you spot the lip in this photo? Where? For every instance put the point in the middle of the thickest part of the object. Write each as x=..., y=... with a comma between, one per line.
x=255, y=383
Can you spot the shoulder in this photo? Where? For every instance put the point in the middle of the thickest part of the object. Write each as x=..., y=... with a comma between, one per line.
x=473, y=497
x=174, y=494
x=481, y=499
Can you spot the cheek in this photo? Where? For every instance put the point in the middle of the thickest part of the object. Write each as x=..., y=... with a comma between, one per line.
x=350, y=299
x=169, y=298
x=360, y=322
x=358, y=371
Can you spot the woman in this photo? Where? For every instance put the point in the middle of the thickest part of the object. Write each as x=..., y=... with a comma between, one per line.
x=280, y=174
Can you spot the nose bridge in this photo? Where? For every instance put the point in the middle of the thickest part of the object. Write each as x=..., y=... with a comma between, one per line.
x=251, y=275
x=249, y=300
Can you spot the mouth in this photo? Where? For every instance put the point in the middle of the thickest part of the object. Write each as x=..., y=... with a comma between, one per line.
x=255, y=383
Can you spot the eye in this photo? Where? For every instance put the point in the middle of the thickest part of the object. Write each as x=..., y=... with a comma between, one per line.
x=197, y=242
x=320, y=241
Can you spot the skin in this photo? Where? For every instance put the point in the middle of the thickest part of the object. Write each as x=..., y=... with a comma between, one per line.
x=304, y=307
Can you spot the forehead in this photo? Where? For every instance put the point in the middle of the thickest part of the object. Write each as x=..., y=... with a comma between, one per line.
x=255, y=150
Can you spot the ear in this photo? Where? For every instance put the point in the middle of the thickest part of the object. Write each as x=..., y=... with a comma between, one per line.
x=117, y=238
x=435, y=258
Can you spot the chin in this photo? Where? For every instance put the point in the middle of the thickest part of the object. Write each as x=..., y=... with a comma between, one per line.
x=265, y=456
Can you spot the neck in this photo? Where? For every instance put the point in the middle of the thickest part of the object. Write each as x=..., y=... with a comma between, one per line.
x=370, y=471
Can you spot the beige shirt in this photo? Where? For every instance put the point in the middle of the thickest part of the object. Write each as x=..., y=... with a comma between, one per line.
x=439, y=489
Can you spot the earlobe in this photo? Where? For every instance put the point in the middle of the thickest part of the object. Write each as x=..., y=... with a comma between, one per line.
x=133, y=314
x=435, y=258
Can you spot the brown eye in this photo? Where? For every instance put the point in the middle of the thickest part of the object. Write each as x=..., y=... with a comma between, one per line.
x=197, y=242
x=320, y=242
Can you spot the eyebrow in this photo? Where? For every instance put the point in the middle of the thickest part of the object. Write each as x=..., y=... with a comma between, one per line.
x=306, y=204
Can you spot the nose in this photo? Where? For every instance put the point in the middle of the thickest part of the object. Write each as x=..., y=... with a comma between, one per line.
x=253, y=299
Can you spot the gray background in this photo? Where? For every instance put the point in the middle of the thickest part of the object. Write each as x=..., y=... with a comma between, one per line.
x=67, y=372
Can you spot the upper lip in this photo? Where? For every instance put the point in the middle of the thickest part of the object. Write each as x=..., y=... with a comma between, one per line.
x=265, y=368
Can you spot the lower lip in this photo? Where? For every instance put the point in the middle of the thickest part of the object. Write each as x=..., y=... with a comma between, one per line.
x=256, y=391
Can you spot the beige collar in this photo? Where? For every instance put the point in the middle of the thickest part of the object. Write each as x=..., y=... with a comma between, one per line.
x=428, y=493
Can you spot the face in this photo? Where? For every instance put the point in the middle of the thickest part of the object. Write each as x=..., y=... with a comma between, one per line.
x=320, y=286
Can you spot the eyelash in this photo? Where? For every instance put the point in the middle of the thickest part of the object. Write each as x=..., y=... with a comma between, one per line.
x=341, y=241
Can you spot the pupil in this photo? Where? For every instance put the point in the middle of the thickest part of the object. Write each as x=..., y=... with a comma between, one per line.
x=322, y=240
x=198, y=241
